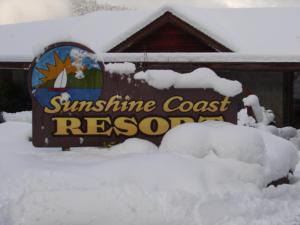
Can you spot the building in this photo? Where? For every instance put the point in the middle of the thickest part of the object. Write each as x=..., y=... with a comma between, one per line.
x=258, y=47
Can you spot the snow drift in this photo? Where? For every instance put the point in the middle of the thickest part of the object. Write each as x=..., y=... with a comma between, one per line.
x=227, y=141
x=137, y=183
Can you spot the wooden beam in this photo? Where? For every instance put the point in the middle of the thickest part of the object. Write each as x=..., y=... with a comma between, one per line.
x=236, y=66
x=243, y=66
x=199, y=34
x=15, y=65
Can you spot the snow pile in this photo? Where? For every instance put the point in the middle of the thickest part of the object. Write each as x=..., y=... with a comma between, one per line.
x=263, y=119
x=64, y=97
x=244, y=119
x=120, y=68
x=235, y=142
x=134, y=145
x=248, y=145
x=281, y=156
x=288, y=132
x=79, y=75
x=133, y=183
x=253, y=101
x=199, y=78
x=262, y=115
x=160, y=79
x=25, y=116
x=224, y=140
x=79, y=56
x=296, y=140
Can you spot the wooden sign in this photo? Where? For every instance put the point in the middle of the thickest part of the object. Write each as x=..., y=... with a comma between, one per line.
x=75, y=103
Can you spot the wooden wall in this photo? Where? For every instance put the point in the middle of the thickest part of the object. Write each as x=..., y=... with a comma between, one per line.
x=169, y=38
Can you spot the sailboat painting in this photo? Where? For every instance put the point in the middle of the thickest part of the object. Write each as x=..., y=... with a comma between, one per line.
x=60, y=82
x=56, y=71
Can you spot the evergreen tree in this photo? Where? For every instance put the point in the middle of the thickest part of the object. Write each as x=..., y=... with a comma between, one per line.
x=81, y=7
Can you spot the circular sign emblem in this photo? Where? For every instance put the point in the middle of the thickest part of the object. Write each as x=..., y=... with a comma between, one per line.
x=68, y=70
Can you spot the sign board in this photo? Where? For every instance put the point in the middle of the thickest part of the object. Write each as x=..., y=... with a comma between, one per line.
x=76, y=103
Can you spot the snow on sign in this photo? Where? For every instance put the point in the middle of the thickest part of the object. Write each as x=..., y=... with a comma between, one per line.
x=77, y=103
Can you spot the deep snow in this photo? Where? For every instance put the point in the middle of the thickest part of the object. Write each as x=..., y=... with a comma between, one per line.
x=134, y=183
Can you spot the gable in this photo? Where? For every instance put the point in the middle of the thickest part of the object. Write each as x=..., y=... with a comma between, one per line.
x=168, y=33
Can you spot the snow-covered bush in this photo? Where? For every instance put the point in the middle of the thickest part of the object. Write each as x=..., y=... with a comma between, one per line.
x=263, y=120
x=227, y=141
x=281, y=156
x=193, y=140
x=262, y=115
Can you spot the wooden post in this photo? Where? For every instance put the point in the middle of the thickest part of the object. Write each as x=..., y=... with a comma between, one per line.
x=288, y=104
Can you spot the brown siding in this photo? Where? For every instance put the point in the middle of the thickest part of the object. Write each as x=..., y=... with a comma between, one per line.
x=170, y=38
x=169, y=33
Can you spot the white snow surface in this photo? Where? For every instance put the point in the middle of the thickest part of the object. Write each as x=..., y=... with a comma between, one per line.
x=247, y=31
x=246, y=144
x=134, y=145
x=135, y=183
x=281, y=155
x=244, y=119
x=125, y=68
x=199, y=78
x=253, y=102
x=264, y=117
x=24, y=116
x=64, y=97
x=197, y=57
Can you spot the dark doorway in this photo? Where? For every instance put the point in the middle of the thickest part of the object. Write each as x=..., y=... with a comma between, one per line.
x=14, y=96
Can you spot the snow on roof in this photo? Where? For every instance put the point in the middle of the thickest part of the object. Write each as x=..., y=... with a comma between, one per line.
x=197, y=57
x=260, y=31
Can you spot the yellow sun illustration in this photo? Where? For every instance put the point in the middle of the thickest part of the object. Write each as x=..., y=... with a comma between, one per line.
x=52, y=71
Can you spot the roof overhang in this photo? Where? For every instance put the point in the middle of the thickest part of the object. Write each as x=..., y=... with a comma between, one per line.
x=169, y=17
x=234, y=61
